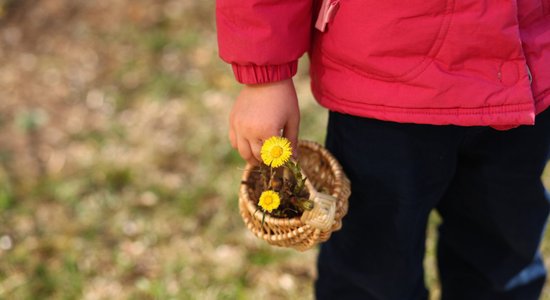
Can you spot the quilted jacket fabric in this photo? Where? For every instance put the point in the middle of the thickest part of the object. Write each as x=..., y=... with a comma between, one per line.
x=468, y=62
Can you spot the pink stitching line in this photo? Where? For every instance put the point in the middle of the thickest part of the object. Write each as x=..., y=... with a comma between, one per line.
x=510, y=108
x=541, y=96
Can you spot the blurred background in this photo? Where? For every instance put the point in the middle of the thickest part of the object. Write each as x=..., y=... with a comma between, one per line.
x=117, y=180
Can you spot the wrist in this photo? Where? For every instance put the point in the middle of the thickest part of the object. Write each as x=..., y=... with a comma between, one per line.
x=280, y=83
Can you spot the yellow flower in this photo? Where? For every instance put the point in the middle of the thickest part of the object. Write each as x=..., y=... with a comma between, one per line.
x=276, y=151
x=269, y=200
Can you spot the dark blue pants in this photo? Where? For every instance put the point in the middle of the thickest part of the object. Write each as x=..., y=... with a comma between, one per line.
x=485, y=184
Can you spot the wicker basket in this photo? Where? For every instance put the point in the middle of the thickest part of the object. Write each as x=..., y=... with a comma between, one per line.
x=325, y=174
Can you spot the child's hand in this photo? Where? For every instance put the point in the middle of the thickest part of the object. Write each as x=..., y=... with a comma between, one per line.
x=260, y=112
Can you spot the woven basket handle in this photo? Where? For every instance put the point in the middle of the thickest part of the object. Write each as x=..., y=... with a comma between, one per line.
x=323, y=212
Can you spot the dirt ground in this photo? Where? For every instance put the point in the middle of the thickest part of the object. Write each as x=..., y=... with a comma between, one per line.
x=117, y=180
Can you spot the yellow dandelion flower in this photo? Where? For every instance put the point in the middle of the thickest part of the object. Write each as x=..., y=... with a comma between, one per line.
x=276, y=151
x=269, y=200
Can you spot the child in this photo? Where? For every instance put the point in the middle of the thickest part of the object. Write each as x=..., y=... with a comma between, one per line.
x=432, y=106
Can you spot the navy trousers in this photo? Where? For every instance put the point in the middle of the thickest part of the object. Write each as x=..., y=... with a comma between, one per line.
x=485, y=184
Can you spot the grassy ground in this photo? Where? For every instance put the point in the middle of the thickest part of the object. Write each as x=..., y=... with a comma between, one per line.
x=116, y=177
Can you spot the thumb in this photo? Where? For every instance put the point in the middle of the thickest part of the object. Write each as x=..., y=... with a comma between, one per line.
x=291, y=133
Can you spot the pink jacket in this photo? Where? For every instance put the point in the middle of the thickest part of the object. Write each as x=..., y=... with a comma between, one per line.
x=467, y=62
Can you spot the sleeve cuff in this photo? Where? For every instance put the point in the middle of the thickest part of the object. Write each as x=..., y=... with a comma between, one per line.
x=252, y=74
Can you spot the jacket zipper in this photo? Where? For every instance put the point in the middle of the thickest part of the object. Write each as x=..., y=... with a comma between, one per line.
x=328, y=9
x=529, y=75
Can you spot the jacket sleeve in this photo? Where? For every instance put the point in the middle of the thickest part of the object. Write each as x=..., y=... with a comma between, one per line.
x=263, y=39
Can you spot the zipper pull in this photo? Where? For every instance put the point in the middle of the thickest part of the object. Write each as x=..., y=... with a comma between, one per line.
x=328, y=8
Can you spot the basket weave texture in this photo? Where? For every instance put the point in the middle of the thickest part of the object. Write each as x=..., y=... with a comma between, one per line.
x=327, y=185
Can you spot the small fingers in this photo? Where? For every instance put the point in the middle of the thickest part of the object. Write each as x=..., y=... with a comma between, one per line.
x=245, y=151
x=291, y=133
x=256, y=147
